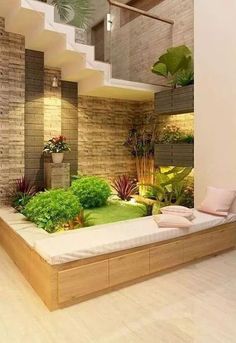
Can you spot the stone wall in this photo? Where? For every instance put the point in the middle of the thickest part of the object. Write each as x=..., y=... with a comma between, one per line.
x=103, y=128
x=12, y=83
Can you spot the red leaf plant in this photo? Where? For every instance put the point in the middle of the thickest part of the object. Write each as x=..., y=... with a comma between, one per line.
x=125, y=187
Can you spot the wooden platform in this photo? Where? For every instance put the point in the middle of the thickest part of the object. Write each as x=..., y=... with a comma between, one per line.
x=66, y=284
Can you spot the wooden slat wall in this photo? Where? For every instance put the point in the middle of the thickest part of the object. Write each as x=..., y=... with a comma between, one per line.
x=175, y=101
x=34, y=115
x=179, y=155
x=69, y=121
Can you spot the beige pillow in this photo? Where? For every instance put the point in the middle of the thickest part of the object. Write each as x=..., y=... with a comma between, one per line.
x=178, y=211
x=217, y=201
x=172, y=221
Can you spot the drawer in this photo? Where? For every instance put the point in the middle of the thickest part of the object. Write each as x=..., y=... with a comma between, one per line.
x=83, y=280
x=166, y=256
x=128, y=267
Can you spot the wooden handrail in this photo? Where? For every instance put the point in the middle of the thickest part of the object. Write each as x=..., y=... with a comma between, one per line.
x=144, y=13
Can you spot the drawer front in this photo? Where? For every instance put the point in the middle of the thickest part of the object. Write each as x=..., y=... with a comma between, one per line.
x=198, y=246
x=209, y=243
x=166, y=256
x=83, y=280
x=128, y=267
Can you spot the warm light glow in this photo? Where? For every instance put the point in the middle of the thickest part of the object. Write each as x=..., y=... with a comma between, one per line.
x=55, y=82
x=109, y=22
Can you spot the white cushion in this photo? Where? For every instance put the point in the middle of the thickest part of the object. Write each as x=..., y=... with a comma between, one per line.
x=178, y=210
x=170, y=220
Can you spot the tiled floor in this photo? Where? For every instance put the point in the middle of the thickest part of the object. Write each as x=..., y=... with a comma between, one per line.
x=194, y=304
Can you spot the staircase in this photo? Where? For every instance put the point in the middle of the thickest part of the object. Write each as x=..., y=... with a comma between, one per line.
x=35, y=21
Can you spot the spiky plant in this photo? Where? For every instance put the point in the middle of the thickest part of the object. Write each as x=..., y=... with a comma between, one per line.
x=20, y=194
x=81, y=11
x=125, y=187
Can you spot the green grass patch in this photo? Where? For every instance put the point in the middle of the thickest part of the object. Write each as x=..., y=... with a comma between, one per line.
x=115, y=211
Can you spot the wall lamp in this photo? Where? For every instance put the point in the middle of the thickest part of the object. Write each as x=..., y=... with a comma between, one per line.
x=55, y=82
x=109, y=22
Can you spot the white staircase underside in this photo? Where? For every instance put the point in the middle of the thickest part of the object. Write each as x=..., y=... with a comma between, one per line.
x=35, y=21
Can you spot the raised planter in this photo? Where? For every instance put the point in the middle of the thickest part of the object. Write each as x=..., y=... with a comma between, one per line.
x=179, y=155
x=175, y=101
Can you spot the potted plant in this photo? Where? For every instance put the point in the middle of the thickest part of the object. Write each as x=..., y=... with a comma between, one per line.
x=174, y=148
x=177, y=66
x=57, y=146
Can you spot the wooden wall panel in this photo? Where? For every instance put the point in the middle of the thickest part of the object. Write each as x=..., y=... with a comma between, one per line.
x=34, y=115
x=69, y=121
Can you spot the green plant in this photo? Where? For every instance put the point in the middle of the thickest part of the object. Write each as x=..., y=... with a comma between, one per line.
x=91, y=191
x=125, y=187
x=176, y=65
x=56, y=145
x=52, y=209
x=21, y=193
x=172, y=134
x=78, y=10
x=80, y=221
x=188, y=197
x=169, y=186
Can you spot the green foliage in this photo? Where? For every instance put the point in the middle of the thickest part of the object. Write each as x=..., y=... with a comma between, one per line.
x=172, y=134
x=176, y=65
x=50, y=210
x=80, y=10
x=169, y=186
x=91, y=191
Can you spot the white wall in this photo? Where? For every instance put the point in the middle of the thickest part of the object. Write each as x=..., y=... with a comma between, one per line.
x=215, y=94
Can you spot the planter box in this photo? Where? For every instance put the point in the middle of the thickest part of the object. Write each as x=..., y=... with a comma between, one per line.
x=179, y=155
x=175, y=101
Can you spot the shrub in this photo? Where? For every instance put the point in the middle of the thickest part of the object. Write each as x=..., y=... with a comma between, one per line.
x=21, y=193
x=52, y=209
x=125, y=187
x=91, y=191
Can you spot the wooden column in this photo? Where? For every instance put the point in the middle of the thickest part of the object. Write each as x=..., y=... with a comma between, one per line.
x=34, y=116
x=69, y=121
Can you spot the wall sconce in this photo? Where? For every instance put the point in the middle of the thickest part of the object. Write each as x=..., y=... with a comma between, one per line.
x=109, y=22
x=55, y=82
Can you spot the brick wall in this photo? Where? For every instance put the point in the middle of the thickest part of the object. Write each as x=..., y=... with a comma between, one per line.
x=103, y=127
x=138, y=44
x=12, y=81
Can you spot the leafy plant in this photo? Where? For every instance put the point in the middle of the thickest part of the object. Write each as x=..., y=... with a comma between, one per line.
x=56, y=145
x=188, y=197
x=80, y=10
x=172, y=134
x=80, y=221
x=176, y=65
x=125, y=187
x=91, y=191
x=22, y=191
x=52, y=209
x=169, y=185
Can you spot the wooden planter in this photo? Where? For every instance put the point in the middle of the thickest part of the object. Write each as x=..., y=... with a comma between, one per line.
x=175, y=101
x=179, y=155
